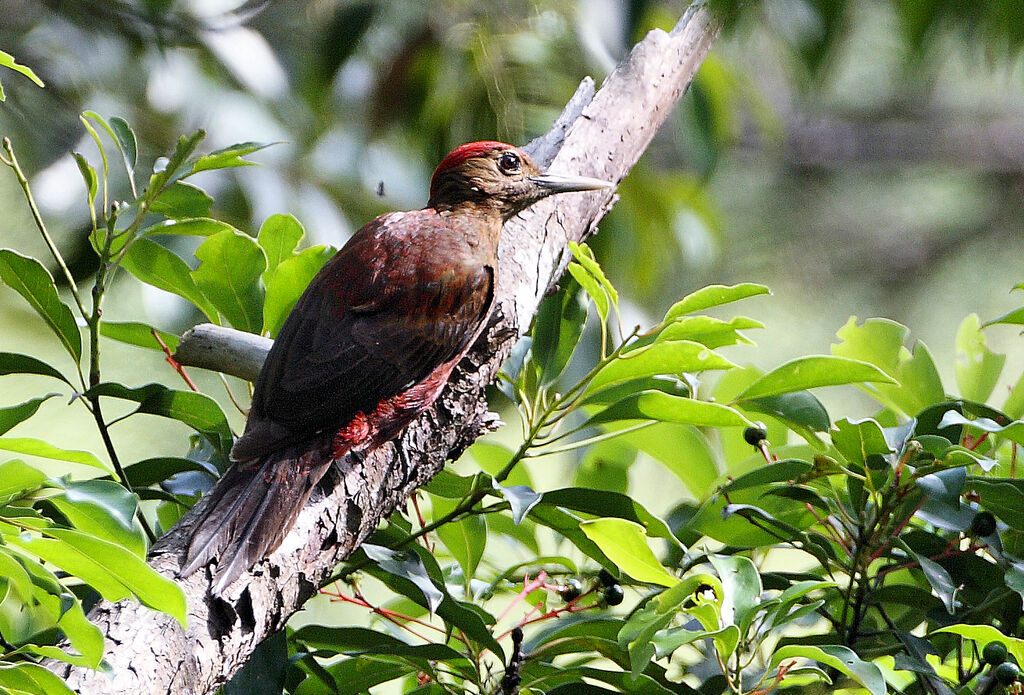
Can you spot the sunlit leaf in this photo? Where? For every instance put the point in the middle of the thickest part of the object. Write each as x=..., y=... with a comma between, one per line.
x=37, y=447
x=229, y=274
x=662, y=357
x=155, y=265
x=103, y=509
x=279, y=237
x=16, y=478
x=625, y=544
x=228, y=157
x=182, y=200
x=407, y=565
x=655, y=405
x=712, y=296
x=13, y=363
x=977, y=367
x=16, y=414
x=812, y=372
x=287, y=282
x=983, y=634
x=838, y=657
x=139, y=334
x=31, y=280
x=188, y=226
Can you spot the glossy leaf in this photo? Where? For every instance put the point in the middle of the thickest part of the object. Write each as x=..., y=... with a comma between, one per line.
x=16, y=414
x=8, y=61
x=103, y=509
x=16, y=478
x=625, y=544
x=287, y=282
x=466, y=540
x=663, y=357
x=113, y=571
x=557, y=330
x=197, y=410
x=279, y=237
x=812, y=372
x=24, y=678
x=584, y=255
x=977, y=367
x=37, y=447
x=741, y=586
x=228, y=275
x=13, y=363
x=156, y=470
x=228, y=157
x=138, y=334
x=188, y=226
x=31, y=280
x=856, y=440
x=838, y=657
x=712, y=296
x=521, y=500
x=88, y=175
x=655, y=405
x=592, y=287
x=983, y=634
x=125, y=138
x=153, y=264
x=407, y=565
x=182, y=200
x=709, y=331
x=799, y=408
x=605, y=503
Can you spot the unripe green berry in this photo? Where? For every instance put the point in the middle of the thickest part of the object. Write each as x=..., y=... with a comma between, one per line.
x=994, y=653
x=755, y=435
x=1006, y=673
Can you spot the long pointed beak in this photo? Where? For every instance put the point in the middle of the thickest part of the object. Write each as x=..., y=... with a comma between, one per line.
x=553, y=183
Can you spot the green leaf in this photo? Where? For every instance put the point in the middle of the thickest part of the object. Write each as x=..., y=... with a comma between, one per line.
x=521, y=499
x=977, y=367
x=655, y=405
x=103, y=509
x=712, y=296
x=605, y=503
x=841, y=658
x=26, y=678
x=165, y=170
x=557, y=330
x=14, y=363
x=88, y=175
x=983, y=634
x=182, y=200
x=409, y=566
x=625, y=544
x=8, y=61
x=279, y=237
x=811, y=372
x=465, y=539
x=17, y=478
x=188, y=226
x=880, y=342
x=229, y=274
x=31, y=280
x=228, y=157
x=709, y=331
x=155, y=265
x=585, y=257
x=661, y=358
x=37, y=447
x=800, y=408
x=197, y=410
x=16, y=414
x=856, y=440
x=1013, y=318
x=286, y=283
x=592, y=287
x=114, y=571
x=742, y=588
x=938, y=578
x=358, y=640
x=139, y=334
x=156, y=470
x=356, y=676
x=125, y=138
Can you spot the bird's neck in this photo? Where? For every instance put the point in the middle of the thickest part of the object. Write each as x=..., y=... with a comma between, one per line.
x=480, y=224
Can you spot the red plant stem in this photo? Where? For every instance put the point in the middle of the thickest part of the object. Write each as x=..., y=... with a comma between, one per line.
x=169, y=356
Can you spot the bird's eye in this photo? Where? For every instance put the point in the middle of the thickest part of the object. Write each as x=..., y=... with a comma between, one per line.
x=509, y=163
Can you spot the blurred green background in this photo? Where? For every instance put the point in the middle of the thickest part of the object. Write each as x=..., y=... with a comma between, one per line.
x=860, y=157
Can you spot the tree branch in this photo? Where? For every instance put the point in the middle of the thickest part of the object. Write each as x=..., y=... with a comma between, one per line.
x=600, y=135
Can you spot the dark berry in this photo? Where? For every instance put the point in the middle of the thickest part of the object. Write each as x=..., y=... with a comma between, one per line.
x=606, y=578
x=983, y=524
x=613, y=595
x=994, y=653
x=572, y=590
x=755, y=435
x=1006, y=673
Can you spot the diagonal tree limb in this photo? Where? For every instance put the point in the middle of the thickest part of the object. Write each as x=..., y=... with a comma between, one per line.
x=599, y=134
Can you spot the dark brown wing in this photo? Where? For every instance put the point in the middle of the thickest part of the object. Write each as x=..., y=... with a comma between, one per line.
x=378, y=318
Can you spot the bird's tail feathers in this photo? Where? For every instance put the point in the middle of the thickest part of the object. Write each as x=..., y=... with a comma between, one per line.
x=249, y=513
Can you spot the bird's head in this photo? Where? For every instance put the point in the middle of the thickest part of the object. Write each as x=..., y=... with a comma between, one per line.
x=498, y=177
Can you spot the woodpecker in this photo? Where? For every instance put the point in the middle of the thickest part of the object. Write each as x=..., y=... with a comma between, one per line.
x=368, y=346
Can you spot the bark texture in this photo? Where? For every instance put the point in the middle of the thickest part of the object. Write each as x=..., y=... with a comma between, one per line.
x=599, y=134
